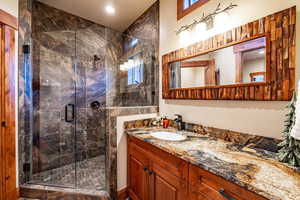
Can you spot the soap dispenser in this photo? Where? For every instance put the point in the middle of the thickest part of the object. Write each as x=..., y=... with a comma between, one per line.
x=165, y=122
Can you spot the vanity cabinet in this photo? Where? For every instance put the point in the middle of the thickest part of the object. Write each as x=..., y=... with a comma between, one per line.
x=154, y=174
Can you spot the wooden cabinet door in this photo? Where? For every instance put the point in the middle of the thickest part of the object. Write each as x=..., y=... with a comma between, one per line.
x=166, y=186
x=8, y=114
x=138, y=178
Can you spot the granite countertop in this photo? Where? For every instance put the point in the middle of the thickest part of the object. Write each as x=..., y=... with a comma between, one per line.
x=255, y=169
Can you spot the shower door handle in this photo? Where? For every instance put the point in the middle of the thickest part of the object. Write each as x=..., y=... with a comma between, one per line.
x=70, y=113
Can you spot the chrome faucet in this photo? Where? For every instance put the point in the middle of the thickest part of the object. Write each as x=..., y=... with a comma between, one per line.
x=179, y=122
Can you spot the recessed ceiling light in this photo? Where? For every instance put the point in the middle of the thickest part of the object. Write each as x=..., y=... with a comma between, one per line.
x=110, y=10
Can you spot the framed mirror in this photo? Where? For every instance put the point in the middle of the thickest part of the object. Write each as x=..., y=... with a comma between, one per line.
x=242, y=63
x=255, y=62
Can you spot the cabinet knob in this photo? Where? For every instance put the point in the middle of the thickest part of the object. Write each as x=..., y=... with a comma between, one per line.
x=3, y=124
x=150, y=172
x=145, y=169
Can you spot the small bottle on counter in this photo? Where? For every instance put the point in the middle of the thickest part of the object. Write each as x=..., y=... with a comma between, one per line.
x=165, y=122
x=157, y=122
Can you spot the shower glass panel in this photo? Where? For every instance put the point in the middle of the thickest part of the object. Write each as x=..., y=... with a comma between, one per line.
x=90, y=105
x=54, y=110
x=68, y=133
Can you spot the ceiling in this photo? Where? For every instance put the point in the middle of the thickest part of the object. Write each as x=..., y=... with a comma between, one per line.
x=127, y=11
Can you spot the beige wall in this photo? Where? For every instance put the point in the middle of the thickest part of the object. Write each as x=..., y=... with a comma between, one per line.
x=10, y=6
x=122, y=147
x=254, y=65
x=225, y=62
x=262, y=118
x=192, y=77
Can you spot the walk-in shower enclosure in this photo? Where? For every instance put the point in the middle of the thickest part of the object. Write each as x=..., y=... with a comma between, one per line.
x=72, y=71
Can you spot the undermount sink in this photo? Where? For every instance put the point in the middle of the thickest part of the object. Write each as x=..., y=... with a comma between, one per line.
x=169, y=136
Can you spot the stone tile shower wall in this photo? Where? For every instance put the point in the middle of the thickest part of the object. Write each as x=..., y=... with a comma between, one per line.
x=76, y=61
x=146, y=28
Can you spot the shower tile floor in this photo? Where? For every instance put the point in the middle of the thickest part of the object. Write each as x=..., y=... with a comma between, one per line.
x=89, y=174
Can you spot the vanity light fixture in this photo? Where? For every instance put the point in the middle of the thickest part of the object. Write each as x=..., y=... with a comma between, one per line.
x=110, y=9
x=130, y=63
x=185, y=37
x=208, y=19
x=221, y=21
x=262, y=52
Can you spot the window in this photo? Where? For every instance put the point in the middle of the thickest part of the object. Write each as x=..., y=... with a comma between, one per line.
x=188, y=3
x=136, y=73
x=184, y=7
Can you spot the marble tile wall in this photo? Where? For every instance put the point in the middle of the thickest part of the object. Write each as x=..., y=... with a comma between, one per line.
x=111, y=129
x=146, y=30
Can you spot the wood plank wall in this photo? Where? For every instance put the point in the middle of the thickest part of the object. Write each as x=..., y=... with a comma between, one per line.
x=280, y=27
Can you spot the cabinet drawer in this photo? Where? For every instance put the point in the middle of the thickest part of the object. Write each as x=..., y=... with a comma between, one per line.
x=203, y=191
x=216, y=188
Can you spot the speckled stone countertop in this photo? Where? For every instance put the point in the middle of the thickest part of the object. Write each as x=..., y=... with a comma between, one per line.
x=255, y=169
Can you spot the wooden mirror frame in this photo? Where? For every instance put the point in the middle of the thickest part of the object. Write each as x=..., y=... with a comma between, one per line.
x=280, y=31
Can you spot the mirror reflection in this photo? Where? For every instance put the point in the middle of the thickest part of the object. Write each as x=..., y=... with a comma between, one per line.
x=241, y=63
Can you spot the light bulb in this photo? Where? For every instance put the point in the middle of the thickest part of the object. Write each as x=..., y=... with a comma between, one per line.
x=136, y=63
x=201, y=27
x=185, y=38
x=110, y=10
x=130, y=63
x=121, y=67
x=200, y=31
x=221, y=21
x=126, y=65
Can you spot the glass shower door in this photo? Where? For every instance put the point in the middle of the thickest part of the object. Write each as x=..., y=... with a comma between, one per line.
x=54, y=110
x=91, y=106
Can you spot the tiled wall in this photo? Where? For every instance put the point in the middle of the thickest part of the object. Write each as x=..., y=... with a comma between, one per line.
x=145, y=28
